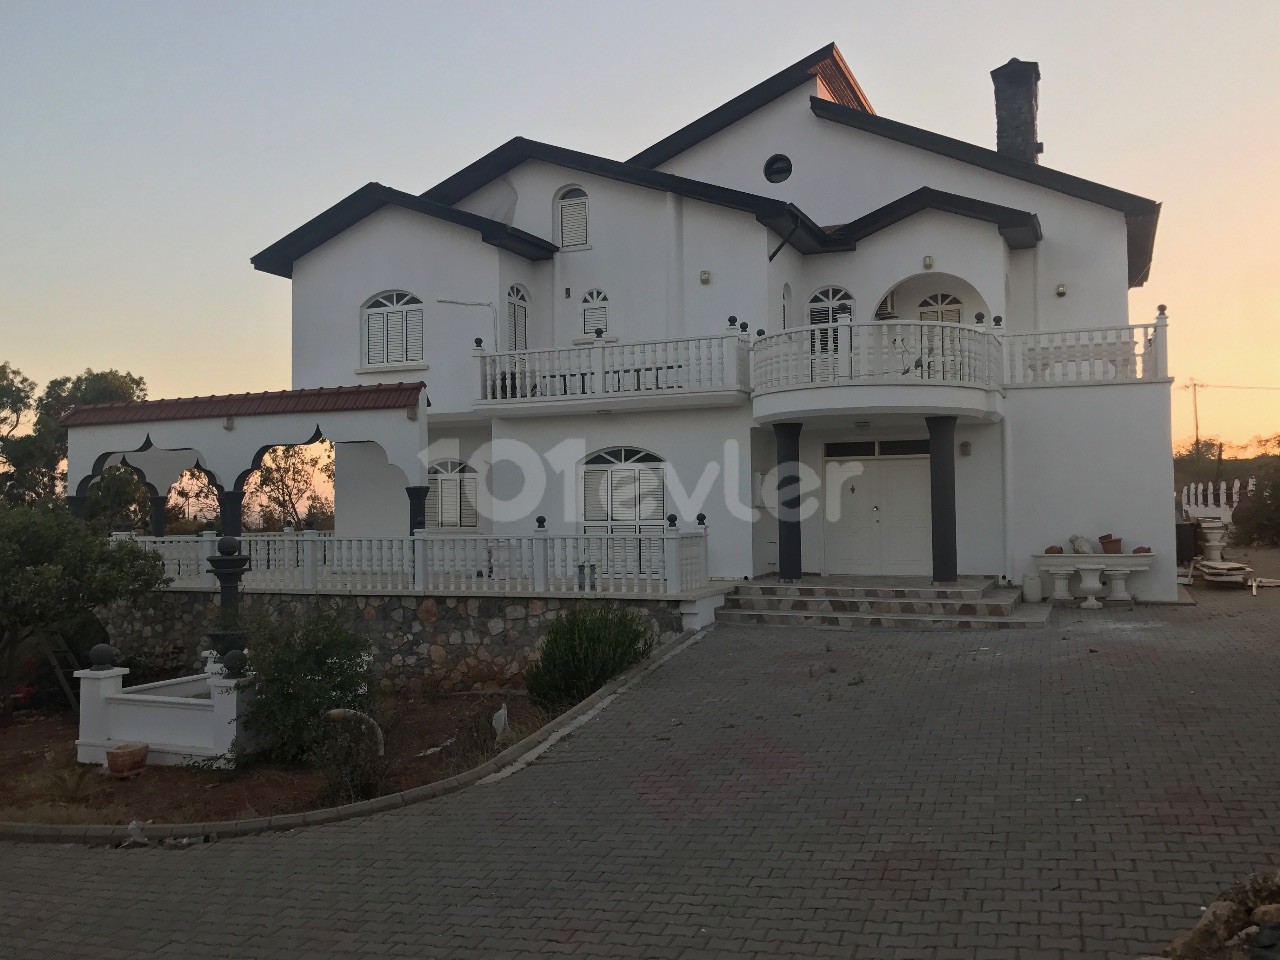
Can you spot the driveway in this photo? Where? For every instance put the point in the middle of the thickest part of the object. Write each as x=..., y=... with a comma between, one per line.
x=1077, y=791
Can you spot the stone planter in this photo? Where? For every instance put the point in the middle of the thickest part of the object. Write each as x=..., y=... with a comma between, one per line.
x=126, y=759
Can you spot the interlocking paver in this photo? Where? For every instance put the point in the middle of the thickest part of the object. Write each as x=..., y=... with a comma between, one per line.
x=1073, y=791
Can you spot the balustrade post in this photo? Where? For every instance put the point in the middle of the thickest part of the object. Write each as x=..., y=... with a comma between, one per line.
x=307, y=558
x=420, y=561
x=671, y=554
x=597, y=385
x=540, y=556
x=1160, y=346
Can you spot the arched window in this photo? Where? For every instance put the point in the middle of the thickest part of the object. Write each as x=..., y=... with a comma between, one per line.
x=595, y=312
x=623, y=491
x=786, y=304
x=571, y=217
x=517, y=318
x=831, y=305
x=941, y=307
x=391, y=326
x=451, y=494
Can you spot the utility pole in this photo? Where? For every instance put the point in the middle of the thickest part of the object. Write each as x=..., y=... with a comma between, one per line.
x=1193, y=385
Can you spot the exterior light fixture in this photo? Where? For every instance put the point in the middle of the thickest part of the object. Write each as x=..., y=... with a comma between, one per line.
x=928, y=263
x=966, y=448
x=229, y=423
x=1062, y=290
x=704, y=277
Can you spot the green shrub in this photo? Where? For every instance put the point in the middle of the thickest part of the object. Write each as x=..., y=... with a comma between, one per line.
x=1256, y=521
x=303, y=669
x=584, y=650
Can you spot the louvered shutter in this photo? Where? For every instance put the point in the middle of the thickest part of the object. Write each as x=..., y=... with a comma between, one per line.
x=413, y=336
x=573, y=222
x=651, y=494
x=951, y=315
x=377, y=335
x=622, y=494
x=595, y=495
x=448, y=501
x=595, y=318
x=395, y=336
x=468, y=515
x=517, y=326
x=433, y=504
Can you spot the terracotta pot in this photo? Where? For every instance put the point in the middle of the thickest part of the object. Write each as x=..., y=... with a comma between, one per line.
x=1111, y=545
x=127, y=758
x=1054, y=549
x=1141, y=549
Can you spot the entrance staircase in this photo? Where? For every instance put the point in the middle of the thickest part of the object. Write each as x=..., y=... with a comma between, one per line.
x=912, y=603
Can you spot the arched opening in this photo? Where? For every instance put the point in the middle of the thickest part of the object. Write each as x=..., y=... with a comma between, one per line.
x=623, y=490
x=291, y=487
x=451, y=503
x=517, y=317
x=934, y=298
x=391, y=329
x=571, y=217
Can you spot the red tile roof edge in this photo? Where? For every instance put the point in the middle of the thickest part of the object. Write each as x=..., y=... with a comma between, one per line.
x=378, y=396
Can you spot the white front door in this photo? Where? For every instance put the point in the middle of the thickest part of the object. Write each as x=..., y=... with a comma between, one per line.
x=883, y=525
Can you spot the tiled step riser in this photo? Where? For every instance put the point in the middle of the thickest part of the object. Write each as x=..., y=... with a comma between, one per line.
x=862, y=593
x=849, y=621
x=816, y=605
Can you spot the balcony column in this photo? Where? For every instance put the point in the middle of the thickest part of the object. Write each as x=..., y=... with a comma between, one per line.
x=417, y=508
x=942, y=495
x=230, y=509
x=787, y=439
x=158, y=504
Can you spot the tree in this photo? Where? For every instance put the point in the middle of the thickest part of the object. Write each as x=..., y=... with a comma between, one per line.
x=193, y=502
x=33, y=441
x=1256, y=521
x=284, y=488
x=57, y=570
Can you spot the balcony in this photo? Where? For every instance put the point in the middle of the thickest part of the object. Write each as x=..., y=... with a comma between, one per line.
x=702, y=371
x=914, y=367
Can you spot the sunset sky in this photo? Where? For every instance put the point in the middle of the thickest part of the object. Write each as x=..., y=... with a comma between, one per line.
x=148, y=149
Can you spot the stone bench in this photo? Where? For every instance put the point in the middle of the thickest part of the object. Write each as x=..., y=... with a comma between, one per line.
x=1092, y=567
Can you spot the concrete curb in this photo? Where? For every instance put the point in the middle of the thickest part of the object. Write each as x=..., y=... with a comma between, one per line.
x=535, y=743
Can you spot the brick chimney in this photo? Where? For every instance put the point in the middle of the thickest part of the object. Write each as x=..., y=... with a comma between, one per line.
x=1017, y=99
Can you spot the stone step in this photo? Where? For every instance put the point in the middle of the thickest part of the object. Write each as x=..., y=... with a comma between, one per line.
x=1028, y=615
x=967, y=590
x=1000, y=602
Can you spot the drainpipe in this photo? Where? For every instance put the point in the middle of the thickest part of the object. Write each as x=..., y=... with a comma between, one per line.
x=478, y=303
x=1006, y=470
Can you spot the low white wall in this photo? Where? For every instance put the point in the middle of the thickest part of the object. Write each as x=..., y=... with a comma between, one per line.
x=1093, y=460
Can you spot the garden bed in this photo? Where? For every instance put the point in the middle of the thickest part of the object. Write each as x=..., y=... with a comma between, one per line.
x=44, y=784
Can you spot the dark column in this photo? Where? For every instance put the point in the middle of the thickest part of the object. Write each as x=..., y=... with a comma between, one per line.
x=76, y=506
x=417, y=507
x=158, y=505
x=787, y=438
x=942, y=494
x=230, y=503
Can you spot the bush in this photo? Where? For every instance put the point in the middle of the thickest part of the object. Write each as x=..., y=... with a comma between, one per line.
x=346, y=752
x=1256, y=521
x=584, y=650
x=303, y=669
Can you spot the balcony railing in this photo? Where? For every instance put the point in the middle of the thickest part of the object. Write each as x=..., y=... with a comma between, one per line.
x=950, y=354
x=700, y=364
x=666, y=562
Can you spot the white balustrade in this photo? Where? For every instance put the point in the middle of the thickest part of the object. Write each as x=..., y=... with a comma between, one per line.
x=696, y=364
x=1099, y=355
x=663, y=561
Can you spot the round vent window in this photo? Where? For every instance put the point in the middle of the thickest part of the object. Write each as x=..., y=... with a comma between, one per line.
x=777, y=168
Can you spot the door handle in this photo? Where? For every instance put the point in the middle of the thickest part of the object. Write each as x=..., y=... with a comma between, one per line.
x=875, y=508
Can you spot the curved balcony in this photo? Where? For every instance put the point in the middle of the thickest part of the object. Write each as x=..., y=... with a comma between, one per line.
x=890, y=366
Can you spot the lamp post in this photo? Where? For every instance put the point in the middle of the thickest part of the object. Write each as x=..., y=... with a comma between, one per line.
x=229, y=567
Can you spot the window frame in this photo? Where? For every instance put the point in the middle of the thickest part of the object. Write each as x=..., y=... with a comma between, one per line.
x=517, y=298
x=386, y=303
x=451, y=474
x=595, y=299
x=572, y=195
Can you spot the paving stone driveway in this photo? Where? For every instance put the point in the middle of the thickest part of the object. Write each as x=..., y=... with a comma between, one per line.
x=1077, y=791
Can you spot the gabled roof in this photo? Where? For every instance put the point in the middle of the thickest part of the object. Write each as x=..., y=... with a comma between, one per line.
x=826, y=64
x=1140, y=213
x=1019, y=228
x=782, y=218
x=378, y=396
x=346, y=213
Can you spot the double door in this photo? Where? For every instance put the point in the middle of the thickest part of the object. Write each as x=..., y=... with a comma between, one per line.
x=879, y=522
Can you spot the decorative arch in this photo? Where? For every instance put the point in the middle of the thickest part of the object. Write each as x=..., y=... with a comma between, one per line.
x=623, y=490
x=517, y=317
x=831, y=304
x=595, y=312
x=452, y=489
x=787, y=308
x=571, y=217
x=391, y=329
x=904, y=298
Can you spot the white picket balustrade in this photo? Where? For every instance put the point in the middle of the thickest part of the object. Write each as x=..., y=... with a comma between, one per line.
x=1099, y=355
x=661, y=562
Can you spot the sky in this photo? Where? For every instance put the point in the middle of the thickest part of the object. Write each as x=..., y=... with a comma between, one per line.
x=147, y=150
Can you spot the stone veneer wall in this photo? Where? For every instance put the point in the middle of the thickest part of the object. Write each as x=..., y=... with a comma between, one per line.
x=423, y=644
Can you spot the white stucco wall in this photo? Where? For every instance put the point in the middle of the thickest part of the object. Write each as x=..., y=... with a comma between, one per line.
x=369, y=498
x=1093, y=460
x=841, y=173
x=395, y=249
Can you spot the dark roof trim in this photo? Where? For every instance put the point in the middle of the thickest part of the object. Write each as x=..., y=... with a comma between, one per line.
x=780, y=217
x=1140, y=213
x=346, y=213
x=826, y=64
x=1020, y=229
x=377, y=396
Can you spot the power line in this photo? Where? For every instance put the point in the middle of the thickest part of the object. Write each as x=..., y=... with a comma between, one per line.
x=1193, y=383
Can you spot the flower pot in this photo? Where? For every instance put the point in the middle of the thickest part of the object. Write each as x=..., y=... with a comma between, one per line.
x=1111, y=545
x=126, y=759
x=1054, y=549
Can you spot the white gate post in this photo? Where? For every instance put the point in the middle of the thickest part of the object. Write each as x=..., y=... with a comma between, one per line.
x=307, y=558
x=671, y=554
x=540, y=556
x=419, y=561
x=95, y=728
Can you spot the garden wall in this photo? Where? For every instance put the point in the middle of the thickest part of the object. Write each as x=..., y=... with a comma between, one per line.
x=421, y=644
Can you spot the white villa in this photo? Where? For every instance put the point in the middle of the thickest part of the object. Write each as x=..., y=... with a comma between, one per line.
x=820, y=341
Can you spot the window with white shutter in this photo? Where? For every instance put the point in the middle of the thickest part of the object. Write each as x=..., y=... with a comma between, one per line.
x=623, y=491
x=595, y=312
x=831, y=305
x=392, y=325
x=452, y=489
x=940, y=308
x=571, y=212
x=517, y=318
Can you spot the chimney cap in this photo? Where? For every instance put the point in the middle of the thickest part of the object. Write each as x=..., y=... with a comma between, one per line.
x=1016, y=66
